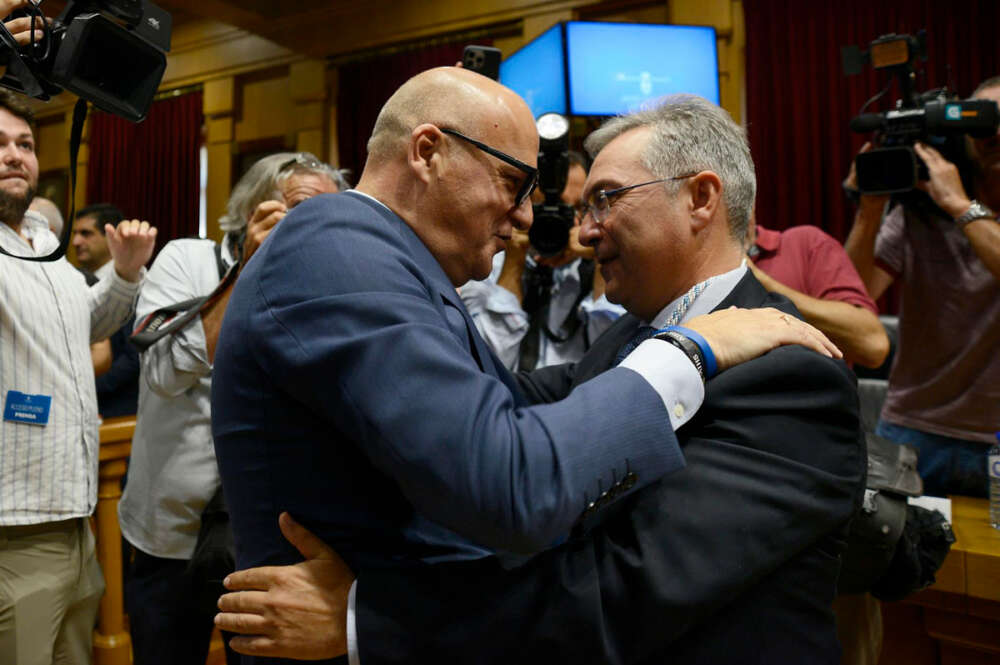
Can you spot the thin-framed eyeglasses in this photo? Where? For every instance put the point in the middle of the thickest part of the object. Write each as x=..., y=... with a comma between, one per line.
x=531, y=173
x=600, y=201
x=307, y=160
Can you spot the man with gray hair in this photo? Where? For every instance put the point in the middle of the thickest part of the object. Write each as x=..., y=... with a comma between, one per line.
x=733, y=559
x=173, y=474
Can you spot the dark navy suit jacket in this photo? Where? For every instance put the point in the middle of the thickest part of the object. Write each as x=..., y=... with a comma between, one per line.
x=732, y=561
x=351, y=389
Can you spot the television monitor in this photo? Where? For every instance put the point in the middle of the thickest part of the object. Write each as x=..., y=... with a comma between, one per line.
x=615, y=68
x=537, y=72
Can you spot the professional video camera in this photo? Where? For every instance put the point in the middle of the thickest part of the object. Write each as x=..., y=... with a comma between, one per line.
x=936, y=117
x=109, y=52
x=553, y=219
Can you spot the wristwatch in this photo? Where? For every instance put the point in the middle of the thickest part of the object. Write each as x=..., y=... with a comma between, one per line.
x=976, y=211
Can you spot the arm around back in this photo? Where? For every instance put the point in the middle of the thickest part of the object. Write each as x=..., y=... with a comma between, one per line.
x=349, y=335
x=775, y=470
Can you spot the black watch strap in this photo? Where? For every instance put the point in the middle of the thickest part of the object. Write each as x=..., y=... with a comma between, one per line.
x=689, y=348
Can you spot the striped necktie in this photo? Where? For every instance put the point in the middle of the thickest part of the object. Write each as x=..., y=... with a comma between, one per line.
x=680, y=309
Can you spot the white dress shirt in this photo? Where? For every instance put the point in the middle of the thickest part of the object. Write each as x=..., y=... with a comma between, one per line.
x=172, y=472
x=105, y=270
x=503, y=324
x=48, y=318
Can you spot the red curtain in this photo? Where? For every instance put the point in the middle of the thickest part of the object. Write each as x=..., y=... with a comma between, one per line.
x=150, y=170
x=799, y=102
x=366, y=85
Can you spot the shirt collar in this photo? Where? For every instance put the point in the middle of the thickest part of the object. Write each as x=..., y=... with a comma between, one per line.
x=371, y=198
x=35, y=227
x=767, y=240
x=709, y=299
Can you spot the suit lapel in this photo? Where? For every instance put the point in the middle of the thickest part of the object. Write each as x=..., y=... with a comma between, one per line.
x=748, y=292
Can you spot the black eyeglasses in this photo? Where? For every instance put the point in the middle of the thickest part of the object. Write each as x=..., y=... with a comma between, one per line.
x=530, y=182
x=600, y=204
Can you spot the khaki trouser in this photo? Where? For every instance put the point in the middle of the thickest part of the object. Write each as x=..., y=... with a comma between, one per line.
x=50, y=590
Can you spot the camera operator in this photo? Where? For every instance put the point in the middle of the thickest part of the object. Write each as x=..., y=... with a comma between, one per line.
x=173, y=474
x=943, y=388
x=538, y=311
x=51, y=583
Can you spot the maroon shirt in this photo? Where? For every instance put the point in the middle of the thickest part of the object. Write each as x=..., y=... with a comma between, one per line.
x=808, y=260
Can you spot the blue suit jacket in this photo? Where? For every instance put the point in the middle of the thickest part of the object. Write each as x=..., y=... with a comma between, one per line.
x=351, y=388
x=732, y=561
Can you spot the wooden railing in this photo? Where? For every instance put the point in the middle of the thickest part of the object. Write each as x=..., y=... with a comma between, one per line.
x=112, y=644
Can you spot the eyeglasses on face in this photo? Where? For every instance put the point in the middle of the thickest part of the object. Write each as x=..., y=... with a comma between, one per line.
x=531, y=173
x=599, y=203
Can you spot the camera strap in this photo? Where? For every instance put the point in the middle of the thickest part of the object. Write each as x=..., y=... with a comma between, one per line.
x=168, y=320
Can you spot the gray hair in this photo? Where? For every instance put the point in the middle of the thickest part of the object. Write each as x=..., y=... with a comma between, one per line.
x=262, y=183
x=50, y=211
x=690, y=134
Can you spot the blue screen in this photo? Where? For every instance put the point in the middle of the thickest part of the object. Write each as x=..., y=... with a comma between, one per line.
x=536, y=72
x=615, y=67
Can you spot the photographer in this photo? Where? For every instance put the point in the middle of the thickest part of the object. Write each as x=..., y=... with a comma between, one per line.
x=539, y=311
x=942, y=395
x=51, y=583
x=173, y=474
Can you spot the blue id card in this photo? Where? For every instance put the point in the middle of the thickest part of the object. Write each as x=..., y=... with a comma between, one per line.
x=31, y=409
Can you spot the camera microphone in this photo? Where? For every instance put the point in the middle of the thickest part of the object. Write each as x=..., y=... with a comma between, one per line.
x=867, y=122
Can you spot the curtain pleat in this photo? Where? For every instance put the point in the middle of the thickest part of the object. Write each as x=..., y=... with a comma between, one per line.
x=150, y=170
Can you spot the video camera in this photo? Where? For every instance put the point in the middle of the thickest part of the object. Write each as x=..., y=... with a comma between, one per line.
x=553, y=219
x=936, y=117
x=111, y=53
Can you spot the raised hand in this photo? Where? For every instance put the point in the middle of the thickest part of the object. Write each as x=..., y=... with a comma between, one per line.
x=131, y=246
x=264, y=219
x=945, y=184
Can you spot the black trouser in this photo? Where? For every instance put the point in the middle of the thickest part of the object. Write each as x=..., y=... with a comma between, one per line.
x=171, y=620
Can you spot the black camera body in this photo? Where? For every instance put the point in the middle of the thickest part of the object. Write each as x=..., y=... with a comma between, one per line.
x=935, y=117
x=553, y=219
x=110, y=52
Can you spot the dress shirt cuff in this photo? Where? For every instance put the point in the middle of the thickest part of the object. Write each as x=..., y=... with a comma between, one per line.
x=353, y=655
x=672, y=375
x=124, y=289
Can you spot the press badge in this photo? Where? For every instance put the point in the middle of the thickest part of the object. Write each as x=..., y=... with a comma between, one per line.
x=31, y=409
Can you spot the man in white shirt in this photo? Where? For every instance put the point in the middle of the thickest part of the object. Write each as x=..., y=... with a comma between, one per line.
x=50, y=583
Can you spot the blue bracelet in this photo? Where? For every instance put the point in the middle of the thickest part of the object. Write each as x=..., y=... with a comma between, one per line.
x=711, y=367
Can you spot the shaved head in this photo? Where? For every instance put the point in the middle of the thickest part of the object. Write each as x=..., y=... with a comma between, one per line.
x=458, y=192
x=448, y=97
